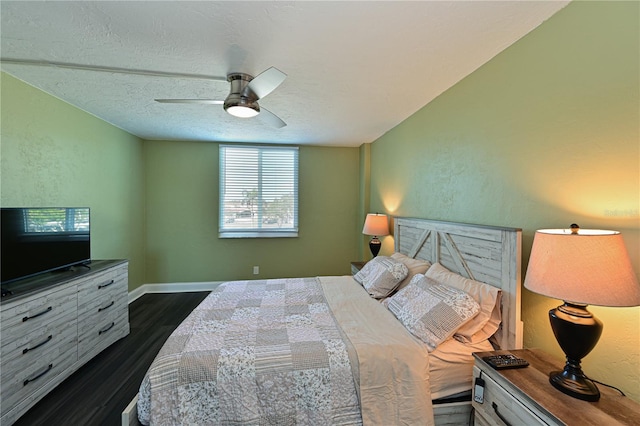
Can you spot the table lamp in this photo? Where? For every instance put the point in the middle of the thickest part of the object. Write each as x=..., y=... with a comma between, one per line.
x=581, y=267
x=376, y=225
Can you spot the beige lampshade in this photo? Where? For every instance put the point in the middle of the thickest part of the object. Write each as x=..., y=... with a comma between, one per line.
x=589, y=267
x=376, y=224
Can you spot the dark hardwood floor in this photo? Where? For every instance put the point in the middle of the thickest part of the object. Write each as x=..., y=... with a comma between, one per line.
x=98, y=392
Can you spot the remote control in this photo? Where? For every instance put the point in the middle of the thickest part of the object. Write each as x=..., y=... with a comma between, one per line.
x=501, y=362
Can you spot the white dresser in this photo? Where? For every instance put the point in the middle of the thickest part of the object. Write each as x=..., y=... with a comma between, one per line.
x=53, y=324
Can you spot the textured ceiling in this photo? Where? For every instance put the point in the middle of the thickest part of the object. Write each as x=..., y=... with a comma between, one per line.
x=355, y=69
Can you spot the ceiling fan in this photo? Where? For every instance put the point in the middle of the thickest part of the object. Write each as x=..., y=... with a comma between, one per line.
x=242, y=100
x=246, y=90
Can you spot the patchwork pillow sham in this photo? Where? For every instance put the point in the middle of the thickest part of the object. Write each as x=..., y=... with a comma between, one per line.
x=487, y=322
x=432, y=311
x=381, y=275
x=415, y=266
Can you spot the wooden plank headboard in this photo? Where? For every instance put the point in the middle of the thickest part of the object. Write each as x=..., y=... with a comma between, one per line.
x=488, y=254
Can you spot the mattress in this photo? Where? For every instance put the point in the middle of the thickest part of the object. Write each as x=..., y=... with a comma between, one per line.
x=289, y=351
x=451, y=367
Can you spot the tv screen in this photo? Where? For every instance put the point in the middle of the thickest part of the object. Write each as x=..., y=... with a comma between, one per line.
x=37, y=240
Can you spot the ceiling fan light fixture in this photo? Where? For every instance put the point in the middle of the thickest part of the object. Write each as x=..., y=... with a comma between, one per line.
x=241, y=101
x=243, y=111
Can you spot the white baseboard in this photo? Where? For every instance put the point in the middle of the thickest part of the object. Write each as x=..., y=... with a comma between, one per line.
x=172, y=288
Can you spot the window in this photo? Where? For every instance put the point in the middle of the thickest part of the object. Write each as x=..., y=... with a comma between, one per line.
x=258, y=191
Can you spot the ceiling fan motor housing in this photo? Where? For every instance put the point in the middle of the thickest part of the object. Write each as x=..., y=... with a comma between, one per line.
x=241, y=95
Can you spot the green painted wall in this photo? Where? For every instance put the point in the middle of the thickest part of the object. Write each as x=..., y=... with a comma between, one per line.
x=52, y=154
x=182, y=218
x=543, y=135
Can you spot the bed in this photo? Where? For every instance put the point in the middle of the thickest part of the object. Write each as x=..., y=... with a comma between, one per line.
x=323, y=350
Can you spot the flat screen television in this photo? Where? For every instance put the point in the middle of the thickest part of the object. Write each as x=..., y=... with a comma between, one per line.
x=43, y=239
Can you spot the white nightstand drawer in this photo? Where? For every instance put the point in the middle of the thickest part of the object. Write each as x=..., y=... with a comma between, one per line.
x=502, y=408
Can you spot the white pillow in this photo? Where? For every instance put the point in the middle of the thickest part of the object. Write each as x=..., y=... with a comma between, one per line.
x=381, y=275
x=432, y=311
x=415, y=266
x=487, y=322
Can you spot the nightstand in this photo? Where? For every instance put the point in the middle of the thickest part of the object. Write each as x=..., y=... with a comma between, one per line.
x=356, y=266
x=524, y=396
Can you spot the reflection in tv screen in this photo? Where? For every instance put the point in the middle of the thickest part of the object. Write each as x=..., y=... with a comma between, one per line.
x=38, y=240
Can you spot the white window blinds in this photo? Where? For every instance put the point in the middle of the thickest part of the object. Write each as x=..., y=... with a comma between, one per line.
x=258, y=191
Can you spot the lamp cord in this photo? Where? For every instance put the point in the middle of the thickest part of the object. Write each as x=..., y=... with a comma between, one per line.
x=609, y=386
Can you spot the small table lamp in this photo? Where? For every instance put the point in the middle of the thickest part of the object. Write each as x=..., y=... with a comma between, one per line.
x=581, y=267
x=377, y=225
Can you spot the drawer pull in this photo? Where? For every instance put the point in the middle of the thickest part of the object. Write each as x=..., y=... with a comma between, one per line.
x=500, y=416
x=107, y=329
x=27, y=381
x=105, y=284
x=106, y=307
x=47, y=340
x=49, y=309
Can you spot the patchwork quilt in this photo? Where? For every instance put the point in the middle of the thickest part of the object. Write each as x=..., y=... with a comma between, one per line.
x=255, y=352
x=301, y=351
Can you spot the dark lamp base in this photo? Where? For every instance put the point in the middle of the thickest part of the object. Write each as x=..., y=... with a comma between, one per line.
x=577, y=332
x=575, y=384
x=374, y=246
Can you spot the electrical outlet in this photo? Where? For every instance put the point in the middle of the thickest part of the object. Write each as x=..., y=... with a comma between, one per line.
x=256, y=270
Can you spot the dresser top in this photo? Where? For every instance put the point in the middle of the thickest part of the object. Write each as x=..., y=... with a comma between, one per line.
x=29, y=286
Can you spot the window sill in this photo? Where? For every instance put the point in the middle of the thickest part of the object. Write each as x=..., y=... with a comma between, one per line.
x=284, y=234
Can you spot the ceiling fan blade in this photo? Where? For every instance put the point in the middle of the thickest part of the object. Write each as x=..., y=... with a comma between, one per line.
x=270, y=118
x=100, y=68
x=189, y=101
x=265, y=82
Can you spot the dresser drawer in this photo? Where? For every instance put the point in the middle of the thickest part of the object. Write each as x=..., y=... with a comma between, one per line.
x=110, y=298
x=103, y=311
x=26, y=350
x=103, y=331
x=103, y=286
x=501, y=407
x=106, y=311
x=22, y=383
x=20, y=320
